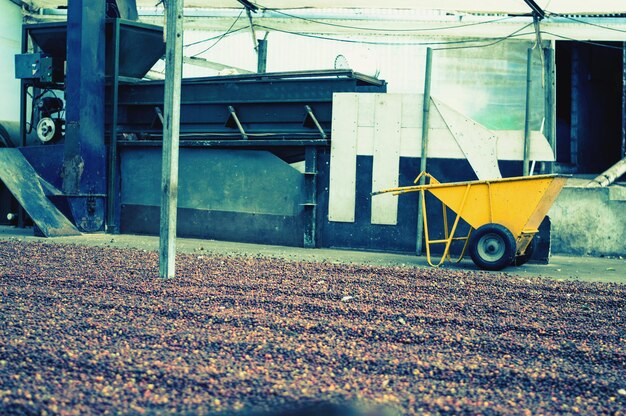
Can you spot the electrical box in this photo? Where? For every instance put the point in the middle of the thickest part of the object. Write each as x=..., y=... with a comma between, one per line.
x=39, y=68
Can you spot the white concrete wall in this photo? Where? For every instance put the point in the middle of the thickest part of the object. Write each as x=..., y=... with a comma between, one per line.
x=10, y=39
x=589, y=221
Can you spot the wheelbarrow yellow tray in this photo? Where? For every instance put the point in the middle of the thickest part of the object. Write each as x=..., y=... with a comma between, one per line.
x=503, y=214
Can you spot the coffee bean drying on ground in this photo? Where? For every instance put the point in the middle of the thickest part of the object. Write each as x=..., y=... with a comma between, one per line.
x=94, y=330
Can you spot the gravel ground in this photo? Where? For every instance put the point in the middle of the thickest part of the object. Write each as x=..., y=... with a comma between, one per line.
x=92, y=330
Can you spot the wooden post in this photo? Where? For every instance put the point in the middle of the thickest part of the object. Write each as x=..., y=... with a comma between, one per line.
x=262, y=58
x=550, y=101
x=424, y=154
x=526, y=169
x=171, y=126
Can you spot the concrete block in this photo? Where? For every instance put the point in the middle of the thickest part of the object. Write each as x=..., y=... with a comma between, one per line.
x=585, y=221
x=617, y=193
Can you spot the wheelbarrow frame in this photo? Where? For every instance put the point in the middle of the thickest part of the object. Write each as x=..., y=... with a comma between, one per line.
x=516, y=234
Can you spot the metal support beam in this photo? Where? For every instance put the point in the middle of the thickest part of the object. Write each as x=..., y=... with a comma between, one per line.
x=577, y=89
x=233, y=119
x=263, y=144
x=23, y=103
x=169, y=173
x=310, y=204
x=424, y=153
x=624, y=101
x=84, y=164
x=526, y=168
x=313, y=119
x=112, y=225
x=550, y=101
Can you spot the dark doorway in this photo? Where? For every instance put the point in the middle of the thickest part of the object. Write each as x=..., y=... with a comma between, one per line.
x=589, y=105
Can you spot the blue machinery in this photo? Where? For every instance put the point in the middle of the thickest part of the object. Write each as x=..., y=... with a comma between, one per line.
x=93, y=137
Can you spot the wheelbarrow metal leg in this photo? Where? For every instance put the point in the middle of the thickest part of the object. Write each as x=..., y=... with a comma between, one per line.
x=449, y=235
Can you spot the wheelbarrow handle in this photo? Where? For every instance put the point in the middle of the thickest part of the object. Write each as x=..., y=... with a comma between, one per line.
x=399, y=191
x=405, y=189
x=423, y=175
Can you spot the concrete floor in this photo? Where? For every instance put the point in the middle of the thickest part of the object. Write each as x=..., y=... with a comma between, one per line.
x=561, y=267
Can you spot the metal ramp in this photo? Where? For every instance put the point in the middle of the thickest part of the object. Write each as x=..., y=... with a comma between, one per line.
x=24, y=183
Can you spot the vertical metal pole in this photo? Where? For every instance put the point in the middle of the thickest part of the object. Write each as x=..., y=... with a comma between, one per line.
x=550, y=102
x=262, y=57
x=576, y=89
x=310, y=190
x=526, y=169
x=23, y=114
x=171, y=126
x=112, y=200
x=23, y=92
x=424, y=154
x=624, y=101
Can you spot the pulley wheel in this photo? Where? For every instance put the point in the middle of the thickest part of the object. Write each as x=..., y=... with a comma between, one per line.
x=46, y=129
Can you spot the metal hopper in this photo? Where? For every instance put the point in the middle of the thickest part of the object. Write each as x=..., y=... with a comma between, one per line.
x=140, y=45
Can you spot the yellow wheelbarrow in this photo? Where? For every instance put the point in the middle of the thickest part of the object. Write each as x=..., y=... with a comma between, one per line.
x=503, y=214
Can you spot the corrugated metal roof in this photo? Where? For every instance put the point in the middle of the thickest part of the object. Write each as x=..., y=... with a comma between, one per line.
x=596, y=7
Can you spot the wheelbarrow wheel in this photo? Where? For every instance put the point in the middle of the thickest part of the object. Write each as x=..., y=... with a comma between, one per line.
x=492, y=247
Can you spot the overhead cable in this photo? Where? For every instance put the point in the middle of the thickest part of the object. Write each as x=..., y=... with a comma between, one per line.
x=516, y=33
x=366, y=42
x=222, y=36
x=582, y=41
x=229, y=32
